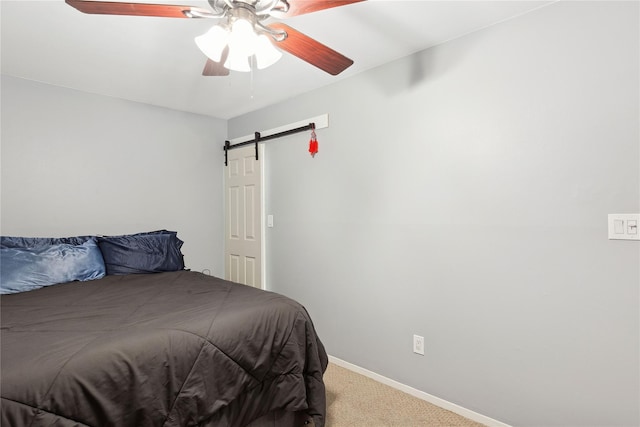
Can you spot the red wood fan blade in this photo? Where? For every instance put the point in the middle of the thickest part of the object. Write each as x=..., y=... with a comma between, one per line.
x=311, y=51
x=212, y=68
x=300, y=7
x=136, y=9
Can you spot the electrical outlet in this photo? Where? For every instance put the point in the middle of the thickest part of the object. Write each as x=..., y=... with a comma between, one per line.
x=418, y=344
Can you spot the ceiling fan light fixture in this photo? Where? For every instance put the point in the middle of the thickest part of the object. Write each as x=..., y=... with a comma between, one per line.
x=213, y=42
x=266, y=53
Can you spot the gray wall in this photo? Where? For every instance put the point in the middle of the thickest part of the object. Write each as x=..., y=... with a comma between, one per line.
x=462, y=194
x=77, y=163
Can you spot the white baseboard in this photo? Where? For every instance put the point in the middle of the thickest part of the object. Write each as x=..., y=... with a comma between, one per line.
x=467, y=413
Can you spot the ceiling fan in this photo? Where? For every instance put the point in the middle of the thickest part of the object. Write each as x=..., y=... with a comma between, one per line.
x=241, y=37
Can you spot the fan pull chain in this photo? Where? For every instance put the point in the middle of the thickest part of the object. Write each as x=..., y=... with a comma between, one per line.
x=252, y=66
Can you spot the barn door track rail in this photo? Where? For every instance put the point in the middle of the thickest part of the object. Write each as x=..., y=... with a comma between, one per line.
x=258, y=138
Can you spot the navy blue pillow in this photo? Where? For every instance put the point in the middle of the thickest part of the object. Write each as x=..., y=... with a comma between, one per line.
x=41, y=242
x=26, y=269
x=150, y=252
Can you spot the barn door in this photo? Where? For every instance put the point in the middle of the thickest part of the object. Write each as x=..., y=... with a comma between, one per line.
x=243, y=217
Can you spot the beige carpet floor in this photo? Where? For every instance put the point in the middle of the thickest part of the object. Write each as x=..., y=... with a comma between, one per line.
x=354, y=400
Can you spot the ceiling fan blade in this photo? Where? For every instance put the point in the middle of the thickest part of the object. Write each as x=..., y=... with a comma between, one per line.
x=138, y=9
x=213, y=68
x=311, y=51
x=300, y=7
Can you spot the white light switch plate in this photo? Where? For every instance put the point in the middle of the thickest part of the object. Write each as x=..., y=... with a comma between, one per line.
x=624, y=226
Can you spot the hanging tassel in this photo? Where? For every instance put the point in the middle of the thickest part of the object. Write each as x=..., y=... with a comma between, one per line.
x=313, y=142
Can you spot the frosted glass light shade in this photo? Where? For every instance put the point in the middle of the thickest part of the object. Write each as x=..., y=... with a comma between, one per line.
x=242, y=38
x=237, y=61
x=213, y=42
x=266, y=53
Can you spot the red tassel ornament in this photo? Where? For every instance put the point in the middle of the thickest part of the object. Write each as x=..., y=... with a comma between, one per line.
x=313, y=143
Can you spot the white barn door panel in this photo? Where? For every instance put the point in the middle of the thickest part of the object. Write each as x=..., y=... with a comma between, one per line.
x=243, y=216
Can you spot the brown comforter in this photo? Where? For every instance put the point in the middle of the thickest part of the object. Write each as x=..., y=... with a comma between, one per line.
x=167, y=349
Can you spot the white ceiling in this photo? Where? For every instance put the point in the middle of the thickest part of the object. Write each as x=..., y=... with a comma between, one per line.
x=155, y=60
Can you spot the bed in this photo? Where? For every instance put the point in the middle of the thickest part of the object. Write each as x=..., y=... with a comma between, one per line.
x=159, y=348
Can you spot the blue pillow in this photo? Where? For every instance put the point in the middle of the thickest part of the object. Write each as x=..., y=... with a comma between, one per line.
x=26, y=269
x=151, y=252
